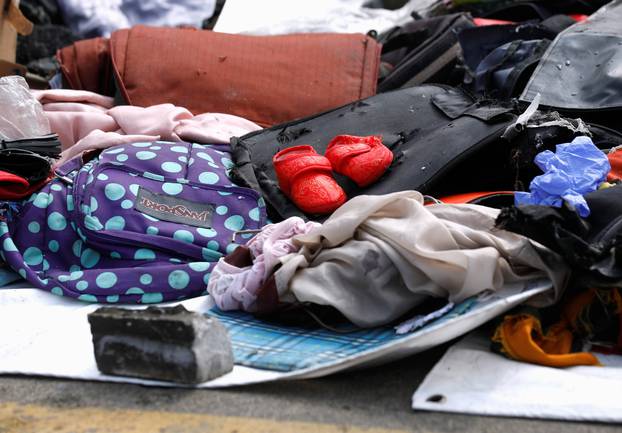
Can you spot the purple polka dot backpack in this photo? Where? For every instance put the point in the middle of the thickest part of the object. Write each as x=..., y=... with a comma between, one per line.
x=139, y=223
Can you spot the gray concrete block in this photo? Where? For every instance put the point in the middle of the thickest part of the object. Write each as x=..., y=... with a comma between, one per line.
x=161, y=343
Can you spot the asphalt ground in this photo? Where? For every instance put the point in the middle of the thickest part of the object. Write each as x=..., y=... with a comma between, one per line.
x=374, y=400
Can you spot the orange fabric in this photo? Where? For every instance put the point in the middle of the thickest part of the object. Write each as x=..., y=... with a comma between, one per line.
x=522, y=339
x=482, y=22
x=470, y=196
x=86, y=65
x=615, y=159
x=265, y=79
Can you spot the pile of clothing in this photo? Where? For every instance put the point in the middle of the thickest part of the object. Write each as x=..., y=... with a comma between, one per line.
x=354, y=164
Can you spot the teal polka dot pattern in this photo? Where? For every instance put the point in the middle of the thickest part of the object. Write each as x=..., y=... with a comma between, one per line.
x=213, y=245
x=154, y=176
x=56, y=187
x=231, y=248
x=199, y=266
x=82, y=285
x=57, y=291
x=171, y=167
x=115, y=150
x=115, y=223
x=209, y=178
x=122, y=158
x=87, y=298
x=210, y=255
x=92, y=223
x=205, y=156
x=145, y=155
x=33, y=256
x=146, y=279
x=144, y=254
x=34, y=227
x=151, y=298
x=106, y=280
x=234, y=223
x=152, y=230
x=134, y=189
x=208, y=233
x=114, y=191
x=89, y=258
x=183, y=235
x=179, y=149
x=172, y=188
x=77, y=248
x=127, y=204
x=141, y=144
x=76, y=275
x=222, y=210
x=22, y=273
x=227, y=163
x=8, y=245
x=115, y=255
x=94, y=205
x=254, y=214
x=102, y=176
x=178, y=280
x=43, y=200
x=134, y=291
x=53, y=246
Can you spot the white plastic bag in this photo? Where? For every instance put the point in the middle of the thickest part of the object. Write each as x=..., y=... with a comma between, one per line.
x=21, y=115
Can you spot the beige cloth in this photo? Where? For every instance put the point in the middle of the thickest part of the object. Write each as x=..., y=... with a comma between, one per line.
x=377, y=257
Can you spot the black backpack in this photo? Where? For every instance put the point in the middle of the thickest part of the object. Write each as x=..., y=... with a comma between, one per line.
x=430, y=129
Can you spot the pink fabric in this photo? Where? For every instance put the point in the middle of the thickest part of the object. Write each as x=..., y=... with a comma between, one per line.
x=234, y=288
x=75, y=114
x=99, y=139
x=66, y=95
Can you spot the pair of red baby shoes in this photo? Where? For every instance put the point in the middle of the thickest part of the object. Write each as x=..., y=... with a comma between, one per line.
x=306, y=176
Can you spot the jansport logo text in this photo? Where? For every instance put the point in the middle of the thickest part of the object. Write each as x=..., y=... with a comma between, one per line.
x=177, y=210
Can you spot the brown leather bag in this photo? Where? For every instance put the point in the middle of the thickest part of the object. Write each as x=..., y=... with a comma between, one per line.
x=266, y=79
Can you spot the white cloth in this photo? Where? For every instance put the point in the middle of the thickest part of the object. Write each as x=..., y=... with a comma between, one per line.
x=312, y=16
x=377, y=257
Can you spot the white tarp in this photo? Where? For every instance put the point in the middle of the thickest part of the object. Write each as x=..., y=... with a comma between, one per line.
x=471, y=379
x=46, y=335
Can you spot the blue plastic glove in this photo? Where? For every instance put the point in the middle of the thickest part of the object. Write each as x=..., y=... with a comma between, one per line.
x=574, y=170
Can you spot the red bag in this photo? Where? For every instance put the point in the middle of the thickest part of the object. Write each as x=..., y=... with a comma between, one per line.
x=266, y=79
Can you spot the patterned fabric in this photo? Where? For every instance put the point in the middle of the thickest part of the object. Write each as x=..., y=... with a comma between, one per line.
x=142, y=223
x=286, y=348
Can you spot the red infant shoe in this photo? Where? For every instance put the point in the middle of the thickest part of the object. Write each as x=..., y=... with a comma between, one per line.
x=306, y=178
x=362, y=159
